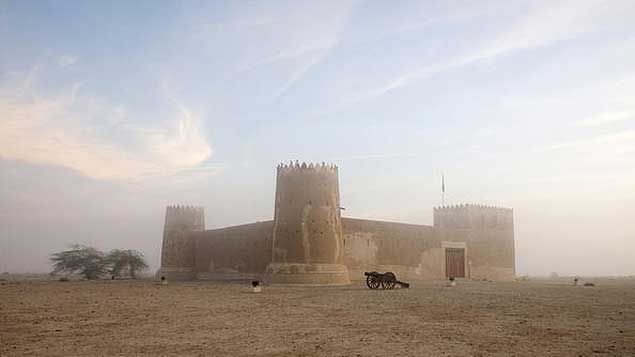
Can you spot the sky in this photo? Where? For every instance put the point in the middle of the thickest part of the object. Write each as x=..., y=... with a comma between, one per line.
x=112, y=110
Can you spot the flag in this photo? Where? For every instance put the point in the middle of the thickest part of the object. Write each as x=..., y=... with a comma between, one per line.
x=442, y=183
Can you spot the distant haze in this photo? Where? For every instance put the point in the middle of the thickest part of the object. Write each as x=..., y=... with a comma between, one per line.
x=109, y=111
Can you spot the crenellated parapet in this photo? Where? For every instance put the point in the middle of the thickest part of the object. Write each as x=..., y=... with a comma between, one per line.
x=473, y=216
x=189, y=217
x=480, y=206
x=296, y=166
x=302, y=184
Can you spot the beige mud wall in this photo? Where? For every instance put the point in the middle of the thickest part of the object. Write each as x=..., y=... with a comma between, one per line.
x=411, y=251
x=245, y=249
x=177, y=252
x=307, y=216
x=406, y=249
x=489, y=234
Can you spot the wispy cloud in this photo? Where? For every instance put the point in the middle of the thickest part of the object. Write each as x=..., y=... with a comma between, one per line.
x=615, y=139
x=542, y=26
x=607, y=118
x=298, y=73
x=289, y=54
x=326, y=35
x=92, y=136
x=293, y=36
x=373, y=157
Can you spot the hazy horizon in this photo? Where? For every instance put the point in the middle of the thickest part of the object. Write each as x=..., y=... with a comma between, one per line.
x=110, y=111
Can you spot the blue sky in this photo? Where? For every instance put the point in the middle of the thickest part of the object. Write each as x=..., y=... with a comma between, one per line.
x=110, y=111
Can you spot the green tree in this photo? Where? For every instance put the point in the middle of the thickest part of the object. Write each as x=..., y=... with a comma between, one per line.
x=87, y=261
x=121, y=260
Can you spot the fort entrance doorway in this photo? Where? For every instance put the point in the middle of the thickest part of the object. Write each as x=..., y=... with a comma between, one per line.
x=455, y=262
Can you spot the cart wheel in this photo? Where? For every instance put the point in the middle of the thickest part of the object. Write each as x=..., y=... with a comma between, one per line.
x=389, y=280
x=372, y=282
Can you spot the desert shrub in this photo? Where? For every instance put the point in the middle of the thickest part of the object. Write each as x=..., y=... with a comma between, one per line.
x=86, y=261
x=92, y=263
x=122, y=260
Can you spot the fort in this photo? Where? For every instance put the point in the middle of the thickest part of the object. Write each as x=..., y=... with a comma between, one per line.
x=309, y=242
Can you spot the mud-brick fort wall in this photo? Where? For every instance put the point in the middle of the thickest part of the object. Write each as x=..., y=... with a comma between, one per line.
x=406, y=249
x=308, y=241
x=177, y=253
x=488, y=233
x=245, y=248
x=307, y=221
x=412, y=251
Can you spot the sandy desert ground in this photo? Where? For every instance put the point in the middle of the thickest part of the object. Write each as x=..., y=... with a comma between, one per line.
x=225, y=319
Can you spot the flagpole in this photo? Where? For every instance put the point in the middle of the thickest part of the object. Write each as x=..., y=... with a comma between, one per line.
x=442, y=189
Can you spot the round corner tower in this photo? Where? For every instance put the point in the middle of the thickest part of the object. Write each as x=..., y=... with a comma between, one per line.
x=307, y=232
x=177, y=253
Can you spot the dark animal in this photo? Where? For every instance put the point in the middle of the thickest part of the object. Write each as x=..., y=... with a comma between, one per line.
x=386, y=280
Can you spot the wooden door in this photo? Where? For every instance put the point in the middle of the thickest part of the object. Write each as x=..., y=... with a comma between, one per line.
x=455, y=262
